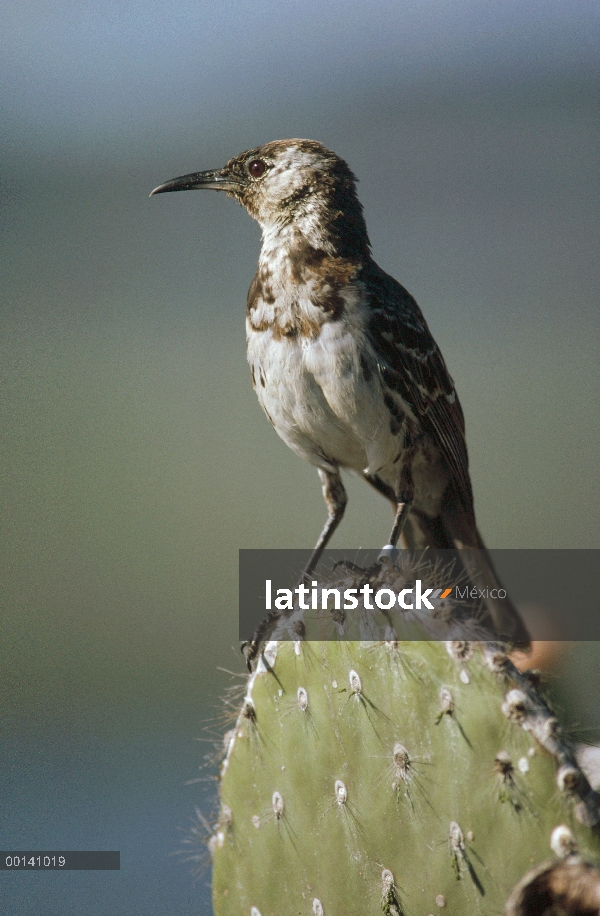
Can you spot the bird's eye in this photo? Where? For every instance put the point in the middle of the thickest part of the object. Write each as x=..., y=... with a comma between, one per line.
x=256, y=167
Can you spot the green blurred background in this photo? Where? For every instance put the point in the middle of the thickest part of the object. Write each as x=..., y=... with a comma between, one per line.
x=136, y=460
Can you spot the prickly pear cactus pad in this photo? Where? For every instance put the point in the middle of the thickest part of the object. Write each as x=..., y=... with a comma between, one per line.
x=396, y=777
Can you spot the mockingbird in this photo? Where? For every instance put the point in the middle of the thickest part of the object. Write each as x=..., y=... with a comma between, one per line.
x=342, y=360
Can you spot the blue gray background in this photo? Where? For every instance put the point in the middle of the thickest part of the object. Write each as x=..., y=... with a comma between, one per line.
x=135, y=459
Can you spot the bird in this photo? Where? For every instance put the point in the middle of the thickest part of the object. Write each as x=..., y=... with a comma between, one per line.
x=343, y=362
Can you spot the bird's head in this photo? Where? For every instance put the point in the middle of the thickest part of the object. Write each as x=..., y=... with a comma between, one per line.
x=289, y=182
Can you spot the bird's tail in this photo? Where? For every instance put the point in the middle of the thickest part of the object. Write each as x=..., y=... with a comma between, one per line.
x=454, y=529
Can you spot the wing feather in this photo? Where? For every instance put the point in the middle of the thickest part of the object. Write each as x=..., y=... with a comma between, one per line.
x=412, y=365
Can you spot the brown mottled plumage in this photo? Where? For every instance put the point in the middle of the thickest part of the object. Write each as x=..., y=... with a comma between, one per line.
x=341, y=357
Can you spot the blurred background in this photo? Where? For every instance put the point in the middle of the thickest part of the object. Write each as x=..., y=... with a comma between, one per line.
x=135, y=459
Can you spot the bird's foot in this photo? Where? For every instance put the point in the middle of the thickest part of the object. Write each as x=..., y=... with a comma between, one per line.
x=347, y=564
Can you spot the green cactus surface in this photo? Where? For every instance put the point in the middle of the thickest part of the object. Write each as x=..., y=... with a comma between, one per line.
x=395, y=777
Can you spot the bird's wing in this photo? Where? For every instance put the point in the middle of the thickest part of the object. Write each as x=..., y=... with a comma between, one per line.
x=410, y=363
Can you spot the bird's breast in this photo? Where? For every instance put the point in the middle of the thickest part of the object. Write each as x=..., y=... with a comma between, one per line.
x=288, y=360
x=313, y=381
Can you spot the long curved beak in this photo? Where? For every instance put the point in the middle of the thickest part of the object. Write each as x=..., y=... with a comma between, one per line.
x=214, y=180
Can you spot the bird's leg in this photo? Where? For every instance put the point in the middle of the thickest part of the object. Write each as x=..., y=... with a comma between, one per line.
x=404, y=500
x=335, y=498
x=381, y=487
